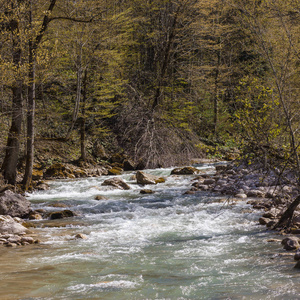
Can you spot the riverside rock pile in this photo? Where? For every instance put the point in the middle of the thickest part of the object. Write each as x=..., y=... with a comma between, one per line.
x=13, y=233
x=262, y=190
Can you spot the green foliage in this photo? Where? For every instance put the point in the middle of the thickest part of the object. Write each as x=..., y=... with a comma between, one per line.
x=255, y=112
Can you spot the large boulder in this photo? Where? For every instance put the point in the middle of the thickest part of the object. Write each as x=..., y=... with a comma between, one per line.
x=185, y=171
x=116, y=182
x=143, y=178
x=13, y=204
x=9, y=225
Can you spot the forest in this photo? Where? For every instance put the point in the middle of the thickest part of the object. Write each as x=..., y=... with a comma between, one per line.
x=160, y=80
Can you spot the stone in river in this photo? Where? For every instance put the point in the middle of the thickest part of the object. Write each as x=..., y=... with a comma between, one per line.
x=146, y=191
x=116, y=182
x=143, y=178
x=61, y=214
x=241, y=196
x=290, y=243
x=100, y=197
x=185, y=171
x=297, y=255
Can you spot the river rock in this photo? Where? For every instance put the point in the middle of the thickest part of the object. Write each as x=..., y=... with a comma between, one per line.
x=58, y=170
x=10, y=226
x=272, y=213
x=241, y=196
x=100, y=197
x=115, y=171
x=128, y=165
x=27, y=239
x=264, y=221
x=297, y=255
x=143, y=178
x=185, y=171
x=13, y=204
x=209, y=181
x=116, y=182
x=80, y=236
x=42, y=187
x=220, y=168
x=290, y=243
x=35, y=216
x=146, y=191
x=255, y=193
x=61, y=214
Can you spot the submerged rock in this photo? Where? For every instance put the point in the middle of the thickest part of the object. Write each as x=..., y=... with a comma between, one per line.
x=100, y=197
x=13, y=204
x=146, y=191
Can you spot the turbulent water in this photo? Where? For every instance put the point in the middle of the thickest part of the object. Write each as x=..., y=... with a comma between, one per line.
x=160, y=246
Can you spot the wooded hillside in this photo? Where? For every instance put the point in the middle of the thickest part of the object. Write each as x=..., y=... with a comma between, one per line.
x=159, y=80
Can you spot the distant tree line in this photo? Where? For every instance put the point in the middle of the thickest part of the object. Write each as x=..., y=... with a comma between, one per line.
x=159, y=76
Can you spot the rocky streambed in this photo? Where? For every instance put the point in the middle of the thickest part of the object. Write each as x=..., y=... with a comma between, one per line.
x=262, y=190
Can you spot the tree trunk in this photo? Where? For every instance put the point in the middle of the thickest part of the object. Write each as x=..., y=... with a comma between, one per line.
x=10, y=162
x=9, y=165
x=216, y=95
x=287, y=216
x=32, y=48
x=30, y=118
x=165, y=60
x=82, y=125
x=78, y=95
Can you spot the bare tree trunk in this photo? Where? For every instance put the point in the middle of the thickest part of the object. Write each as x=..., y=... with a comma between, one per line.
x=287, y=216
x=78, y=95
x=10, y=162
x=30, y=117
x=216, y=95
x=165, y=61
x=83, y=118
x=9, y=165
x=32, y=48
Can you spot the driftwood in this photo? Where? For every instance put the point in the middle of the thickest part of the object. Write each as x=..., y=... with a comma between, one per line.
x=287, y=216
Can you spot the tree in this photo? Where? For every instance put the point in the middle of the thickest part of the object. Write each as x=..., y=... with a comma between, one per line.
x=12, y=32
x=33, y=44
x=275, y=26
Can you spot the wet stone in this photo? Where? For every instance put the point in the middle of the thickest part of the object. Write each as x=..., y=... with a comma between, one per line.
x=290, y=243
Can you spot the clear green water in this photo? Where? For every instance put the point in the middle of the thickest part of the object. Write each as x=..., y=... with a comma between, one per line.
x=161, y=246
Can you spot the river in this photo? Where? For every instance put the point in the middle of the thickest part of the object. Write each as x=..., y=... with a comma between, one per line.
x=165, y=245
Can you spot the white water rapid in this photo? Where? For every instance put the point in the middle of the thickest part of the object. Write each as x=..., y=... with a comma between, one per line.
x=165, y=245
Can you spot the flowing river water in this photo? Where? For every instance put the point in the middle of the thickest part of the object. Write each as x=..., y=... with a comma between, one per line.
x=166, y=245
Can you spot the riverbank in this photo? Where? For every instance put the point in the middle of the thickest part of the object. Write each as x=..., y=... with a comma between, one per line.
x=264, y=191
